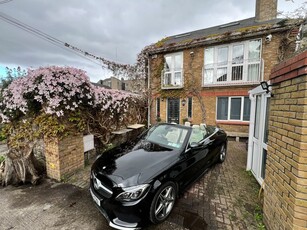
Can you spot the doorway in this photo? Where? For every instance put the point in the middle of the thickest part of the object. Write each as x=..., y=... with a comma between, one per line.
x=258, y=133
x=173, y=107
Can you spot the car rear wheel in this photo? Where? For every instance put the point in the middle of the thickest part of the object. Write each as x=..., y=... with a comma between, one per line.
x=222, y=155
x=163, y=203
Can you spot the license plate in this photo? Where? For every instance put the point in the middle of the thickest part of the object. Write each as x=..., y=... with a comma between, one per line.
x=95, y=198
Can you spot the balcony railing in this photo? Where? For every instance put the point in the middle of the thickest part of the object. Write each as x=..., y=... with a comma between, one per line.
x=230, y=73
x=172, y=79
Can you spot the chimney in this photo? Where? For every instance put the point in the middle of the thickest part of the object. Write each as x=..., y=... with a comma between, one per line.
x=266, y=10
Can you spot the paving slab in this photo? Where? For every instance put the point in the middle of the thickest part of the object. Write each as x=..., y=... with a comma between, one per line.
x=224, y=198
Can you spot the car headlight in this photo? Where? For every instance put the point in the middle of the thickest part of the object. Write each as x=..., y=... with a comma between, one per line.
x=133, y=193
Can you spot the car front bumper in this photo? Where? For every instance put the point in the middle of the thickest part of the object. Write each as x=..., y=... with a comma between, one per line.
x=117, y=215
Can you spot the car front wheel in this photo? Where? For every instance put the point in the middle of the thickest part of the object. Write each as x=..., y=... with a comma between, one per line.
x=163, y=203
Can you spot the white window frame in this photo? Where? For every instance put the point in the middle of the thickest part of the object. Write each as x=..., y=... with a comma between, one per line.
x=229, y=108
x=172, y=71
x=245, y=64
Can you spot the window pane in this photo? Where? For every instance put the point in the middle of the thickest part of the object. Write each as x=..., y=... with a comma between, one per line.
x=168, y=63
x=221, y=74
x=237, y=73
x=197, y=135
x=257, y=116
x=264, y=156
x=222, y=108
x=168, y=79
x=178, y=78
x=253, y=72
x=158, y=107
x=254, y=50
x=237, y=54
x=190, y=107
x=209, y=58
x=171, y=134
x=235, y=109
x=266, y=126
x=178, y=62
x=208, y=78
x=222, y=56
x=246, y=109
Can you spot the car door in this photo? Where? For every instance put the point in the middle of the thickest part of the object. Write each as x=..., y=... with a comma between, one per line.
x=192, y=162
x=213, y=144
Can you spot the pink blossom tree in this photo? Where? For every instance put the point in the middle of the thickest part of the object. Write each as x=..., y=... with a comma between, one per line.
x=56, y=101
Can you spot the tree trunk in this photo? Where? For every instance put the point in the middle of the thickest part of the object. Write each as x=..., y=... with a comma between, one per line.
x=20, y=166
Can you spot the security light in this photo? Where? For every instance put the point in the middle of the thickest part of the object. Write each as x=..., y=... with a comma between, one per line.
x=265, y=86
x=183, y=102
x=268, y=38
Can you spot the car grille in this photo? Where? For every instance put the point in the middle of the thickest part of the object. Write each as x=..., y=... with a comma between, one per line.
x=101, y=187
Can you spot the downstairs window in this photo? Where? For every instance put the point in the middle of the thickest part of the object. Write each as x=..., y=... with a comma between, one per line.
x=233, y=108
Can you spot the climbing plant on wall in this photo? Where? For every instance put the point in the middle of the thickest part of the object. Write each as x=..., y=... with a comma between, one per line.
x=192, y=86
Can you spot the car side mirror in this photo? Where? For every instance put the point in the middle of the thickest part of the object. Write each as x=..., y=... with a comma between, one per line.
x=194, y=145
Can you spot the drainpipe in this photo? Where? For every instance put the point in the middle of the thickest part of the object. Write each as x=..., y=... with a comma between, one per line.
x=251, y=131
x=149, y=96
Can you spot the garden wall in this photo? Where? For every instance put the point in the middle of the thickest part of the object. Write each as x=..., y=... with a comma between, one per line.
x=285, y=192
x=64, y=156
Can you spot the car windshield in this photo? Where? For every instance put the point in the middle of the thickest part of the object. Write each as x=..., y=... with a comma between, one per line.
x=167, y=135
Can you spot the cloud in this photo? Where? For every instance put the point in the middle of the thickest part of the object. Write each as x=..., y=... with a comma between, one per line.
x=113, y=29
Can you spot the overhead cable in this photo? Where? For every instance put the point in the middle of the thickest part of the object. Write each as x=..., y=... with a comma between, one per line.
x=44, y=36
x=5, y=1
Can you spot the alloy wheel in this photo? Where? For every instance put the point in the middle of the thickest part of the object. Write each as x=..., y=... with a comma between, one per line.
x=165, y=202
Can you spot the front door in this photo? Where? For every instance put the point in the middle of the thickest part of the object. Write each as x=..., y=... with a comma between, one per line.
x=173, y=110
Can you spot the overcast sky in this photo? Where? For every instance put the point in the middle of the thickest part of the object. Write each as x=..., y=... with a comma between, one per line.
x=113, y=29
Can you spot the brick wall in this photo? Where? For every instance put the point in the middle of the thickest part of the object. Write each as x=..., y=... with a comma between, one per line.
x=285, y=196
x=64, y=156
x=209, y=94
x=266, y=10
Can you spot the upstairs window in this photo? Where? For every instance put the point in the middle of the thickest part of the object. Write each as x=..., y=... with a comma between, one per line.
x=233, y=63
x=233, y=108
x=172, y=76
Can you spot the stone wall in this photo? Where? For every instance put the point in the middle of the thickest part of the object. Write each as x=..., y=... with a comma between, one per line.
x=285, y=193
x=64, y=156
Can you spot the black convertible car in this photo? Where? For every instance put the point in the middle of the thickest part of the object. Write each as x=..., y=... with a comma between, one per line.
x=137, y=182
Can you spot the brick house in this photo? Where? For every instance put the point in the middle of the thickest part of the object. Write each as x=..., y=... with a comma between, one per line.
x=112, y=83
x=132, y=85
x=204, y=76
x=213, y=76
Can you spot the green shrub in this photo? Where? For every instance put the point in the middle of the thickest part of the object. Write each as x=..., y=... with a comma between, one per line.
x=2, y=136
x=2, y=158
